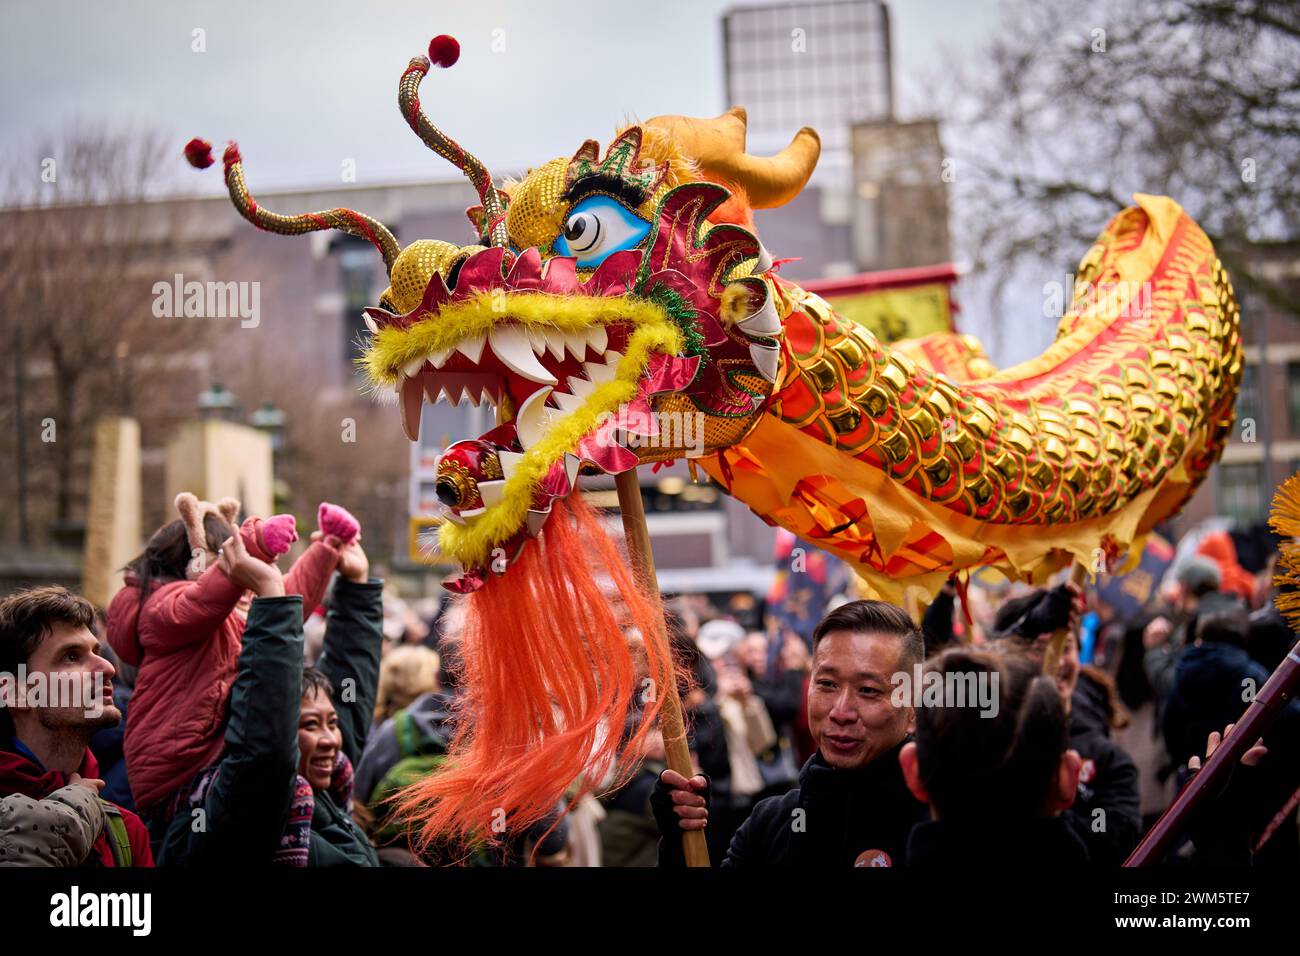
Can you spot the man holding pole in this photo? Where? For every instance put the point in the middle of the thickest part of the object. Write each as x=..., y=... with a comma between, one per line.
x=852, y=806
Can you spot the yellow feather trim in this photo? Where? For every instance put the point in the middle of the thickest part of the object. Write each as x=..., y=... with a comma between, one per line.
x=393, y=347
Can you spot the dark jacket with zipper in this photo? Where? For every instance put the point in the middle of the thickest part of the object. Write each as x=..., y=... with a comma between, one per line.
x=353, y=641
x=829, y=820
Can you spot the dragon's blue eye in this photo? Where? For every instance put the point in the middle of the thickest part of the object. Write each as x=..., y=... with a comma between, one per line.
x=597, y=227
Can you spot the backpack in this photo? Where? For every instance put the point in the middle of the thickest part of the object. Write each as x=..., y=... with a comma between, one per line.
x=419, y=754
x=119, y=841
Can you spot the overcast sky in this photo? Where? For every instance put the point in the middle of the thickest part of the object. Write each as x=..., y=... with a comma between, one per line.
x=304, y=85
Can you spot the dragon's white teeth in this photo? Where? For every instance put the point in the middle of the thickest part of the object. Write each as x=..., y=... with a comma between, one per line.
x=612, y=358
x=535, y=521
x=597, y=338
x=580, y=387
x=472, y=513
x=765, y=359
x=511, y=346
x=764, y=322
x=491, y=492
x=536, y=338
x=472, y=348
x=371, y=324
x=598, y=373
x=532, y=418
x=412, y=368
x=567, y=403
x=410, y=401
x=439, y=359
x=554, y=343
x=576, y=343
x=571, y=463
x=451, y=516
x=509, y=461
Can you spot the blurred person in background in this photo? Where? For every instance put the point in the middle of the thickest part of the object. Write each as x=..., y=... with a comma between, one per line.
x=1195, y=591
x=1106, y=812
x=784, y=695
x=1214, y=684
x=406, y=672
x=748, y=727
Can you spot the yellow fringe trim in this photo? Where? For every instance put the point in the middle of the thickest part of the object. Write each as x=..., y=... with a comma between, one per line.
x=1284, y=518
x=393, y=347
x=654, y=331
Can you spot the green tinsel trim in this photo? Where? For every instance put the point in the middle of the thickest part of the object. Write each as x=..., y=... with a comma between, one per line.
x=683, y=313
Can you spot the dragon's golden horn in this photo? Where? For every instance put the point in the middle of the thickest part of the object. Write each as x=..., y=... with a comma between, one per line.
x=345, y=220
x=718, y=145
x=494, y=204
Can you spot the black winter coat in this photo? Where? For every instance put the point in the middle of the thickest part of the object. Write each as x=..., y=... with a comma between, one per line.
x=1108, y=782
x=831, y=818
x=1041, y=844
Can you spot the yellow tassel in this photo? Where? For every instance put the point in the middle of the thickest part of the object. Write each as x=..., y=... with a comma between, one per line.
x=1284, y=518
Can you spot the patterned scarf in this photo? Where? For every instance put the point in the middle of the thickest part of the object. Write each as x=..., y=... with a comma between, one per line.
x=295, y=841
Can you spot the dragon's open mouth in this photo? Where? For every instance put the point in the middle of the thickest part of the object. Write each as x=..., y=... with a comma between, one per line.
x=569, y=365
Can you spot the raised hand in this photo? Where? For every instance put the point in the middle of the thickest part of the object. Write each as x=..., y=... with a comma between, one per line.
x=248, y=572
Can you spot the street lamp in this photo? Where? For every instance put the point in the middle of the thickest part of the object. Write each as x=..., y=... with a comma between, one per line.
x=217, y=402
x=269, y=419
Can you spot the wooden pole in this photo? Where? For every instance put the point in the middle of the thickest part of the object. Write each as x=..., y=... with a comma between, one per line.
x=1052, y=657
x=670, y=713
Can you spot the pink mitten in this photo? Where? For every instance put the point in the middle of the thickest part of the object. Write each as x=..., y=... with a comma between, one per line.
x=338, y=521
x=278, y=532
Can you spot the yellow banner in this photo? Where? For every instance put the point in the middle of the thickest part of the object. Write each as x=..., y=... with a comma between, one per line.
x=896, y=314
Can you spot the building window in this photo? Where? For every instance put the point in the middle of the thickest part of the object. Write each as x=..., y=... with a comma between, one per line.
x=1241, y=492
x=1293, y=397
x=1248, y=397
x=357, y=270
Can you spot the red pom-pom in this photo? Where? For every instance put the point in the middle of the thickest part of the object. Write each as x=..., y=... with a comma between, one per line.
x=444, y=50
x=198, y=152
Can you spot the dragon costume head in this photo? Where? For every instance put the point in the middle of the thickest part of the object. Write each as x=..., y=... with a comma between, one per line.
x=618, y=308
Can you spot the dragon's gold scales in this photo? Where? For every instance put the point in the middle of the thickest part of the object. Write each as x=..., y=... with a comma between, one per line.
x=1131, y=405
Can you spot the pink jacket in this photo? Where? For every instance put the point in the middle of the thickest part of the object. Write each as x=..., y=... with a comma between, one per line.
x=185, y=642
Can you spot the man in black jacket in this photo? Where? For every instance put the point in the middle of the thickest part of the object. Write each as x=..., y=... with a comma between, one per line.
x=852, y=806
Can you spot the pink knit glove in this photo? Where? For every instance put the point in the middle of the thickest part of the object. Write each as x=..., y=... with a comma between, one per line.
x=278, y=532
x=338, y=521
